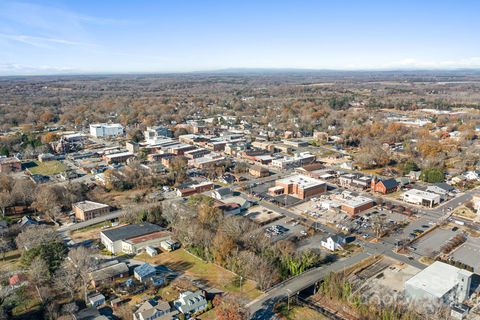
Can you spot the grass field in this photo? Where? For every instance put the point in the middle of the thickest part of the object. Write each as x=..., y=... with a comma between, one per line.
x=208, y=273
x=47, y=168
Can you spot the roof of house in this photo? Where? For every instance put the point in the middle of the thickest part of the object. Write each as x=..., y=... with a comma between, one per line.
x=337, y=238
x=151, y=307
x=145, y=270
x=109, y=271
x=189, y=301
x=444, y=186
x=131, y=231
x=223, y=191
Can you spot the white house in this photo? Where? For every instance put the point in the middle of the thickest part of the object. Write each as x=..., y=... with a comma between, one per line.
x=189, y=302
x=472, y=175
x=332, y=243
x=102, y=130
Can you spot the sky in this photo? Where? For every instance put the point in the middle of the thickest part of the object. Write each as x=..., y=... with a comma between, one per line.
x=120, y=36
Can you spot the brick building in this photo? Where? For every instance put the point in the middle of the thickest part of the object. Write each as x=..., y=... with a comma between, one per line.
x=10, y=164
x=86, y=210
x=300, y=186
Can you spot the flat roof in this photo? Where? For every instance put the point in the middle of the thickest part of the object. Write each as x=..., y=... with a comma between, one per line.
x=357, y=201
x=89, y=205
x=120, y=154
x=437, y=279
x=131, y=231
x=420, y=193
x=303, y=181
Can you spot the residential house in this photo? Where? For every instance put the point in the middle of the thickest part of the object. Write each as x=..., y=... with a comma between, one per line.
x=222, y=193
x=190, y=303
x=155, y=310
x=442, y=189
x=472, y=175
x=332, y=243
x=144, y=272
x=414, y=175
x=108, y=273
x=10, y=164
x=258, y=171
x=89, y=314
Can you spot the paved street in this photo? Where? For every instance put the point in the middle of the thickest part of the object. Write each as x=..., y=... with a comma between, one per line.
x=83, y=224
x=261, y=308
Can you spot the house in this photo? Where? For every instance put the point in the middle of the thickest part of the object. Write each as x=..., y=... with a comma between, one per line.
x=133, y=237
x=384, y=186
x=89, y=314
x=108, y=273
x=442, y=189
x=424, y=198
x=155, y=309
x=86, y=210
x=27, y=221
x=299, y=186
x=258, y=171
x=414, y=175
x=190, y=303
x=103, y=130
x=222, y=193
x=10, y=164
x=332, y=243
x=96, y=300
x=472, y=175
x=144, y=272
x=440, y=283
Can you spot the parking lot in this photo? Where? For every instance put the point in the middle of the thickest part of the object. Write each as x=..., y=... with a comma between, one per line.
x=433, y=241
x=469, y=253
x=284, y=228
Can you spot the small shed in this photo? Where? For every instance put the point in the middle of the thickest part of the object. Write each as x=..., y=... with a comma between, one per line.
x=96, y=300
x=151, y=251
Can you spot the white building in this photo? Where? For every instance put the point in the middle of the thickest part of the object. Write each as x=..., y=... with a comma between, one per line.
x=440, y=282
x=297, y=160
x=154, y=135
x=332, y=243
x=103, y=130
x=424, y=198
x=189, y=302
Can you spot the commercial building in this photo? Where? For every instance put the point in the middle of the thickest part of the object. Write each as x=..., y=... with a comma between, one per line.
x=196, y=188
x=114, y=238
x=354, y=204
x=440, y=282
x=86, y=210
x=10, y=164
x=158, y=133
x=297, y=160
x=106, y=130
x=118, y=157
x=299, y=186
x=384, y=186
x=355, y=180
x=424, y=198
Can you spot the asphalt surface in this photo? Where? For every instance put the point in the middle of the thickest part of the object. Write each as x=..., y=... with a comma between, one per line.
x=84, y=224
x=261, y=308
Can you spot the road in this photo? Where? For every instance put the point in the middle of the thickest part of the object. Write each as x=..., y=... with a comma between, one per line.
x=261, y=308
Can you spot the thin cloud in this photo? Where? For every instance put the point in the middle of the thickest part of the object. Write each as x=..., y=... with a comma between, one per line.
x=41, y=41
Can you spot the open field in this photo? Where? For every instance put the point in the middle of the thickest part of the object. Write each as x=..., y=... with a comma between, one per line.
x=47, y=168
x=207, y=273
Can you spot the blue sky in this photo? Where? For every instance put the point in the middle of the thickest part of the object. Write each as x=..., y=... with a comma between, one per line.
x=49, y=37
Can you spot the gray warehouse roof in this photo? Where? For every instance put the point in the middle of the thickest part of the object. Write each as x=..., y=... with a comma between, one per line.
x=131, y=231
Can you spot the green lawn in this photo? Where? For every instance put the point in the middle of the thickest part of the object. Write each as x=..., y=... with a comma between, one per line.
x=47, y=168
x=216, y=276
x=11, y=261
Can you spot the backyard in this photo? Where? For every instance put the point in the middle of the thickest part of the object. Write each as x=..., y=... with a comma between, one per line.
x=47, y=168
x=208, y=273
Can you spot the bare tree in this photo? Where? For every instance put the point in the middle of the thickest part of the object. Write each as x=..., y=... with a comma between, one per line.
x=39, y=276
x=5, y=201
x=82, y=262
